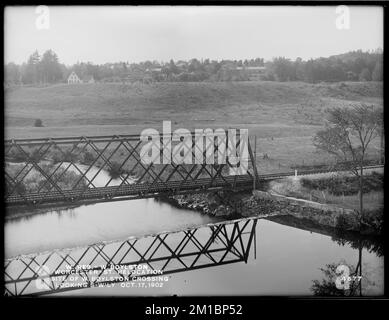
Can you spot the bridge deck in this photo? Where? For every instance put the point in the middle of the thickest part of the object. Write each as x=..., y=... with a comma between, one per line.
x=142, y=190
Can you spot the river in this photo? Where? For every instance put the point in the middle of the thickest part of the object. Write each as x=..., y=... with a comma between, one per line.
x=285, y=262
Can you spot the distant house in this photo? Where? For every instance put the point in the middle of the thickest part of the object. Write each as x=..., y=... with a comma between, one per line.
x=88, y=79
x=254, y=73
x=73, y=78
x=159, y=69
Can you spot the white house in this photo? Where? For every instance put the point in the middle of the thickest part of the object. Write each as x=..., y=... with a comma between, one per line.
x=73, y=78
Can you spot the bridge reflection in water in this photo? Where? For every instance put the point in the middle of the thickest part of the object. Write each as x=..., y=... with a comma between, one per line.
x=170, y=252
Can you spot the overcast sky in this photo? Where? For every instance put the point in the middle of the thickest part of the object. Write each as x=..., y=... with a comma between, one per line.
x=133, y=34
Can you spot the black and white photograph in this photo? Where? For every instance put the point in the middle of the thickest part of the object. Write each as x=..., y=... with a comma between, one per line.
x=194, y=151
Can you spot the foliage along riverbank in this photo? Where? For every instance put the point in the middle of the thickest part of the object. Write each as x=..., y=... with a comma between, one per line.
x=34, y=181
x=29, y=211
x=339, y=224
x=340, y=190
x=119, y=164
x=294, y=202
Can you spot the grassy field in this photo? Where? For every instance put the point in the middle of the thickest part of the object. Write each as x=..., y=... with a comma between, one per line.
x=335, y=188
x=283, y=116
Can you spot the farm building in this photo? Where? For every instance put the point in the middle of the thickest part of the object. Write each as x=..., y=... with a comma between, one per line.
x=254, y=73
x=73, y=78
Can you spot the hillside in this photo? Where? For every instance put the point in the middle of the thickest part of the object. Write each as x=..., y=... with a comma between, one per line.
x=358, y=54
x=284, y=116
x=238, y=102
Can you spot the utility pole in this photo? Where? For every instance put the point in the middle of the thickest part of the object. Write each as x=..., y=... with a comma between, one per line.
x=255, y=160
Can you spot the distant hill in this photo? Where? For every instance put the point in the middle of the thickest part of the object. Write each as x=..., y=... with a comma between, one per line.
x=358, y=54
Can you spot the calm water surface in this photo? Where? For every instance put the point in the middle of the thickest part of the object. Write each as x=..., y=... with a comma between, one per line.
x=285, y=262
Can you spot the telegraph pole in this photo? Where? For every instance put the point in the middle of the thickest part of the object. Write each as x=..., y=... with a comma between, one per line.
x=255, y=160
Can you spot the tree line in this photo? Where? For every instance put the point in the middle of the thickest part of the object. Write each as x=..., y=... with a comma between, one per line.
x=37, y=69
x=351, y=66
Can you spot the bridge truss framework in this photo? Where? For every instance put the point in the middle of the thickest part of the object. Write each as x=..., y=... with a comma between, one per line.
x=164, y=253
x=68, y=170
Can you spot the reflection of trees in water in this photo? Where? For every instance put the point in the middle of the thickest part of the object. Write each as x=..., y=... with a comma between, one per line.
x=327, y=286
x=356, y=240
x=373, y=244
x=29, y=213
x=358, y=280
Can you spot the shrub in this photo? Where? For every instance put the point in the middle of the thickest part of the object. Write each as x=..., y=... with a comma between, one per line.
x=88, y=157
x=345, y=185
x=35, y=155
x=57, y=156
x=17, y=155
x=69, y=156
x=115, y=171
x=38, y=123
x=20, y=188
x=64, y=156
x=342, y=222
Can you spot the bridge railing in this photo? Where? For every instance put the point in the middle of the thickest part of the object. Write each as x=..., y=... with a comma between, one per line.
x=101, y=168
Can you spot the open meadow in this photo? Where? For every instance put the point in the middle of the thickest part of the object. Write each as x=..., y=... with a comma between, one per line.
x=284, y=116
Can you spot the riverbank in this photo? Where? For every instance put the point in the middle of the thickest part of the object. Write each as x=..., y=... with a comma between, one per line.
x=30, y=211
x=206, y=203
x=289, y=196
x=261, y=203
x=319, y=213
x=34, y=181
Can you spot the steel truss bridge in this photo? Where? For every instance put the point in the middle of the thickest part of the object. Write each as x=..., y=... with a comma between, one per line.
x=70, y=170
x=165, y=253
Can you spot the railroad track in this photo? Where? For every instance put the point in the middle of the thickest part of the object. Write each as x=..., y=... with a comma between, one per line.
x=141, y=190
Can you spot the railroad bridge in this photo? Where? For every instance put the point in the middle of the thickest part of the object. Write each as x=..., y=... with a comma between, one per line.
x=73, y=170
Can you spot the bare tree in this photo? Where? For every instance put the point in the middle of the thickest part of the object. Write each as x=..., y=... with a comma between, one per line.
x=347, y=136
